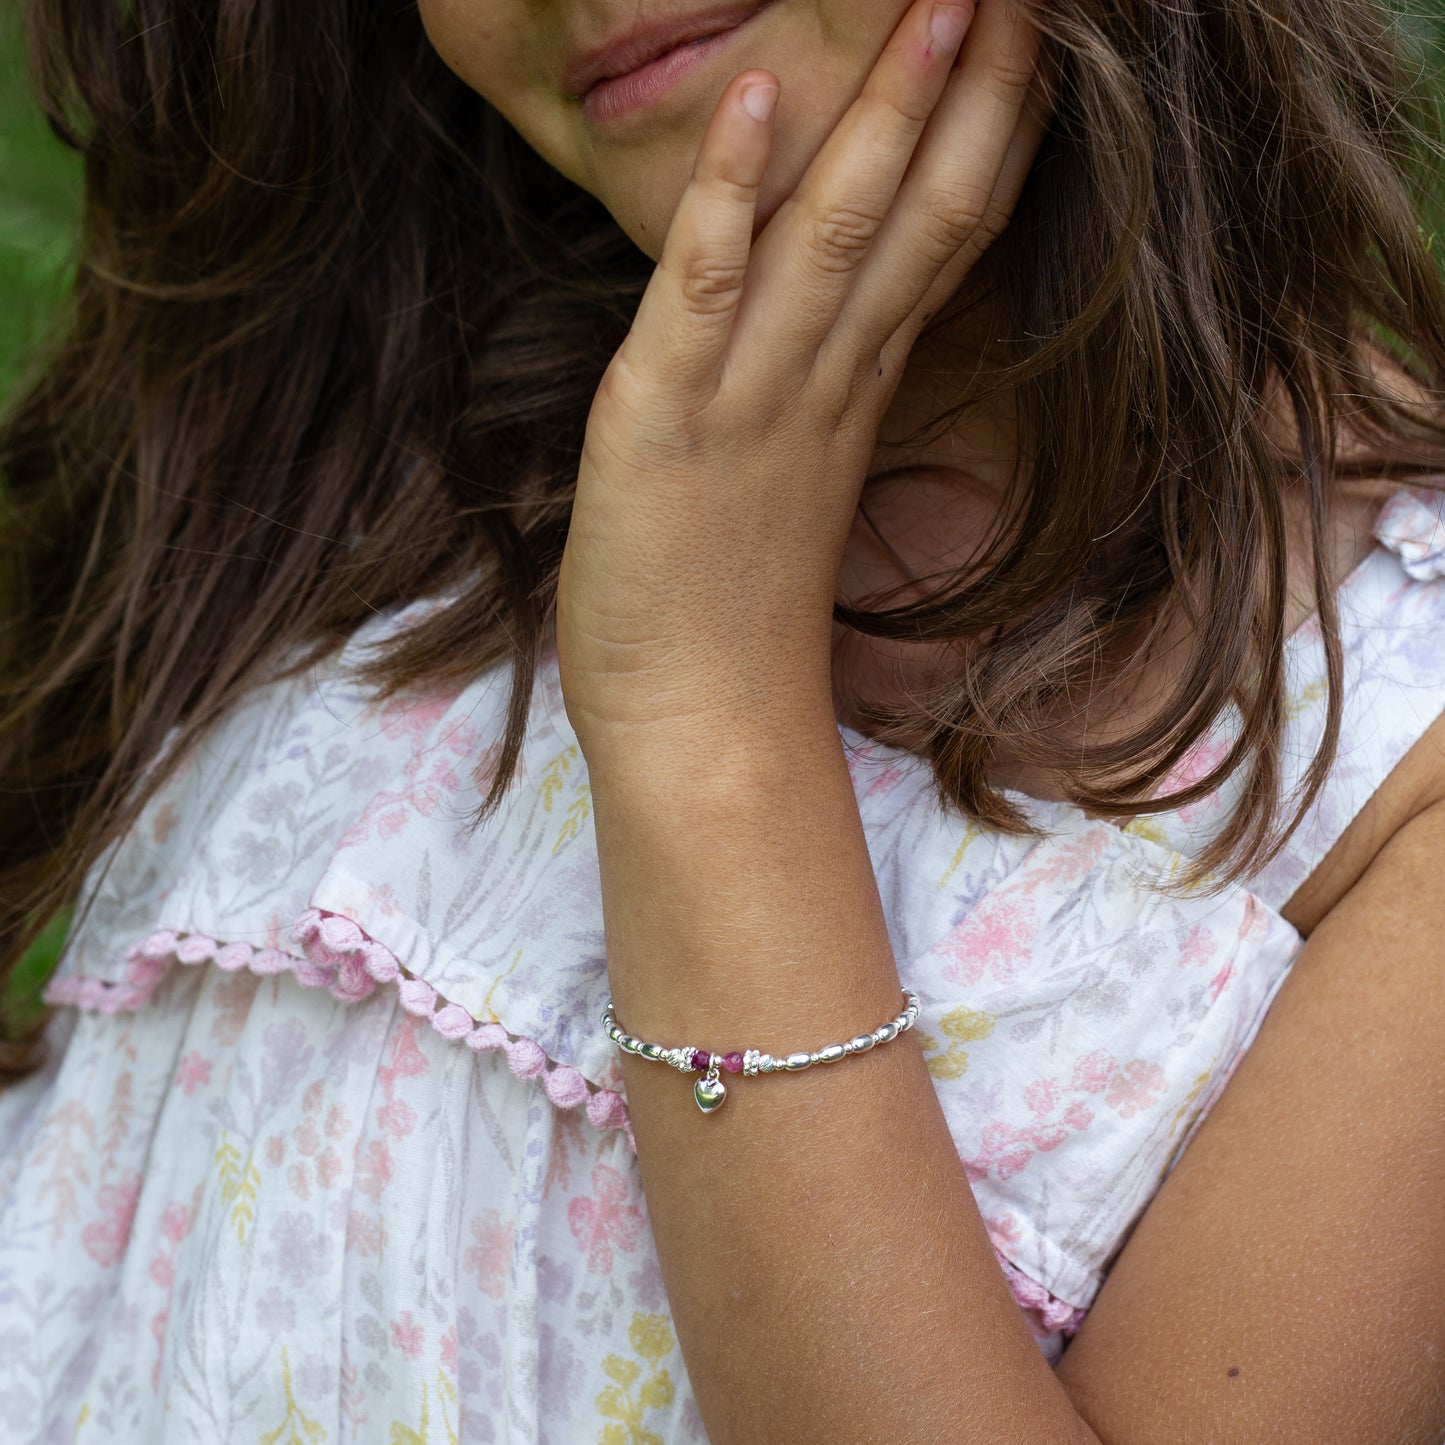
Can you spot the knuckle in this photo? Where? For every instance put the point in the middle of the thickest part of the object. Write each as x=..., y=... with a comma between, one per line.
x=838, y=237
x=949, y=224
x=1012, y=73
x=709, y=287
x=912, y=106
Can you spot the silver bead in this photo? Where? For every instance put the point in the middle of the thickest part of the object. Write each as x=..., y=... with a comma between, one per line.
x=651, y=1051
x=861, y=1044
x=831, y=1054
x=798, y=1061
x=886, y=1032
x=766, y=1064
x=750, y=1061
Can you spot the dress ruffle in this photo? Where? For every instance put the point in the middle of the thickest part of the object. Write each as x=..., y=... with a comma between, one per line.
x=1411, y=525
x=338, y=955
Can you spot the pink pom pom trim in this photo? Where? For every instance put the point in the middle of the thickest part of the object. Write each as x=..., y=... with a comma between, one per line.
x=338, y=955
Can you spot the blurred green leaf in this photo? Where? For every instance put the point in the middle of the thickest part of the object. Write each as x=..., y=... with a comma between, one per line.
x=39, y=205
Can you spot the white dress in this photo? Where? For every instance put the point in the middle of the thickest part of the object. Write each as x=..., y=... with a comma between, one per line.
x=332, y=1146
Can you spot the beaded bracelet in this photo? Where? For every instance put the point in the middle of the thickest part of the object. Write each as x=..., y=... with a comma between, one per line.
x=710, y=1091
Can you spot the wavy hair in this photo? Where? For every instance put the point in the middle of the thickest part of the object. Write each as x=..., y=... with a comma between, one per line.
x=335, y=332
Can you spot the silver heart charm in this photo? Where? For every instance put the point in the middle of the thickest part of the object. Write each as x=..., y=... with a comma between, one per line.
x=709, y=1091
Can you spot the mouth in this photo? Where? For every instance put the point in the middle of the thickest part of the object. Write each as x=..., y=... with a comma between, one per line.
x=639, y=68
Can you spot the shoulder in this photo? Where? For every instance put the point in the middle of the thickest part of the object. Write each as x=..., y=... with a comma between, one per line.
x=1411, y=797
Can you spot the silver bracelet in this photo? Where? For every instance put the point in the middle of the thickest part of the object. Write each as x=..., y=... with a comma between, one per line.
x=710, y=1091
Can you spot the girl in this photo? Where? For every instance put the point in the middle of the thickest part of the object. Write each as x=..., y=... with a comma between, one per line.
x=436, y=662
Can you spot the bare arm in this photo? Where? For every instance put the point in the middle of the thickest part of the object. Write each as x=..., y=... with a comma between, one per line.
x=826, y=1265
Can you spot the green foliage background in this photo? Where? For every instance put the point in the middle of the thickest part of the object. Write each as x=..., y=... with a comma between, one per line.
x=39, y=190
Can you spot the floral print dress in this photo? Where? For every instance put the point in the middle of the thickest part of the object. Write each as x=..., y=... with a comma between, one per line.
x=331, y=1144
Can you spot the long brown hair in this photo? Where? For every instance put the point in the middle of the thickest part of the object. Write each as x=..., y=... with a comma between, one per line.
x=336, y=330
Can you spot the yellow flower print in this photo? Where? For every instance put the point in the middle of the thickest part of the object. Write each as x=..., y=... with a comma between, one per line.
x=552, y=776
x=651, y=1337
x=238, y=1183
x=296, y=1428
x=1148, y=827
x=1306, y=698
x=970, y=834
x=577, y=814
x=405, y=1435
x=964, y=1026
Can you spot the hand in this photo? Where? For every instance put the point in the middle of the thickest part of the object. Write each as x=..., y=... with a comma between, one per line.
x=730, y=437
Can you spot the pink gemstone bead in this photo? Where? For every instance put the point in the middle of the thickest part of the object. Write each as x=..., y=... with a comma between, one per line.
x=733, y=1063
x=701, y=1059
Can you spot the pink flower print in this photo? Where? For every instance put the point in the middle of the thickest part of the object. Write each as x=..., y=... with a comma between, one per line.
x=997, y=938
x=406, y=1058
x=373, y=1169
x=1197, y=763
x=415, y=720
x=365, y=1235
x=407, y=1335
x=1003, y=1229
x=1135, y=1087
x=105, y=1239
x=328, y=1167
x=384, y=900
x=307, y=1137
x=397, y=1118
x=193, y=1071
x=159, y=1324
x=491, y=1256
x=1093, y=1071
x=1220, y=982
x=176, y=1222
x=299, y=1178
x=275, y=1150
x=1198, y=948
x=1042, y=1096
x=449, y=1348
x=1068, y=862
x=604, y=1219
x=337, y=1122
x=162, y=1271
x=1006, y=1148
x=1078, y=1115
x=886, y=780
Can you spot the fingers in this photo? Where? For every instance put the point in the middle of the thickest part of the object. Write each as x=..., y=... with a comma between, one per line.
x=961, y=188
x=685, y=318
x=1018, y=163
x=824, y=230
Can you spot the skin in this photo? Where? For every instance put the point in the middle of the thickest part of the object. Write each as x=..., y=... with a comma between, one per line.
x=513, y=53
x=937, y=500
x=1278, y=1286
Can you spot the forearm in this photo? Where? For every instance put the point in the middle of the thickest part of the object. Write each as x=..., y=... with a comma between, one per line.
x=826, y=1265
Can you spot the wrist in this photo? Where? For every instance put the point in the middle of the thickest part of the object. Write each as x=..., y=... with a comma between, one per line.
x=725, y=759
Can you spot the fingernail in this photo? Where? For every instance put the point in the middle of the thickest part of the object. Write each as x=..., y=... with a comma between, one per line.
x=759, y=100
x=948, y=24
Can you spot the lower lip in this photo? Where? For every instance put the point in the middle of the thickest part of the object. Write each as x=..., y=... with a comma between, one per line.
x=624, y=95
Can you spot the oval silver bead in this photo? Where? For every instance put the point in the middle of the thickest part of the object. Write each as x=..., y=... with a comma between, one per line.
x=797, y=1061
x=652, y=1051
x=861, y=1044
x=831, y=1054
x=629, y=1043
x=886, y=1032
